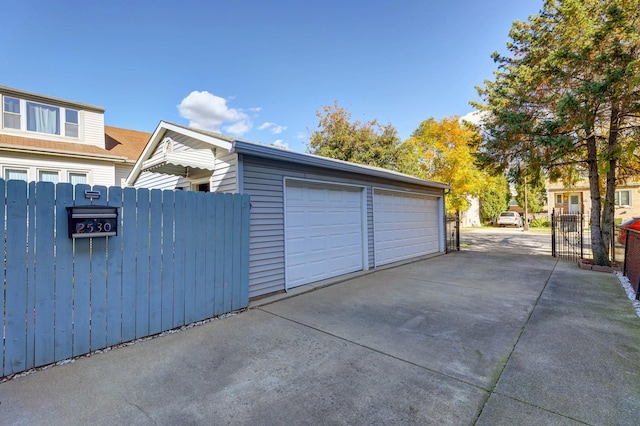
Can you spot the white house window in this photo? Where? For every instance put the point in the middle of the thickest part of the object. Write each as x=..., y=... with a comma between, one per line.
x=558, y=198
x=623, y=198
x=48, y=176
x=16, y=174
x=71, y=123
x=41, y=118
x=11, y=109
x=77, y=178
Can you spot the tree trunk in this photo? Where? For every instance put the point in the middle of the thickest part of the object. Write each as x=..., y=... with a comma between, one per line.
x=599, y=247
x=609, y=201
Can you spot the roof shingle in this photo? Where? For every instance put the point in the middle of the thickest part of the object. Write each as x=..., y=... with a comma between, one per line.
x=119, y=143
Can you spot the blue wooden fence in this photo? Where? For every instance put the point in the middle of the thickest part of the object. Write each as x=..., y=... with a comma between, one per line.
x=179, y=257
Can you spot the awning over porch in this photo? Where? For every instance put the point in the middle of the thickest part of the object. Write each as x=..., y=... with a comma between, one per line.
x=180, y=163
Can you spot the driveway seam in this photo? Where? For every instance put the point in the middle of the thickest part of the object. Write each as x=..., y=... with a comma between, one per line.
x=491, y=391
x=538, y=407
x=440, y=373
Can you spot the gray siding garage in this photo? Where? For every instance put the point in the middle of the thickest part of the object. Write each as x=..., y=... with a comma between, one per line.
x=345, y=201
x=312, y=218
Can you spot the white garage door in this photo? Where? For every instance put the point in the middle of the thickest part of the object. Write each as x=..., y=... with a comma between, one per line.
x=323, y=231
x=405, y=225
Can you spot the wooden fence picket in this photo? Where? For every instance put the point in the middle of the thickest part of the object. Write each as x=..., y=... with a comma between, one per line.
x=178, y=257
x=115, y=290
x=15, y=304
x=44, y=283
x=64, y=275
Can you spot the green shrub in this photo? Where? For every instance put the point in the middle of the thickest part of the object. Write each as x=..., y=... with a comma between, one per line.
x=542, y=222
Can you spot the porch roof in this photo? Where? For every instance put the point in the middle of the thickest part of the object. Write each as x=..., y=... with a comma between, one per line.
x=180, y=163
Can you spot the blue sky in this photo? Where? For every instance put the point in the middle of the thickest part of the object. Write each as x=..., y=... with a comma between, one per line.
x=257, y=69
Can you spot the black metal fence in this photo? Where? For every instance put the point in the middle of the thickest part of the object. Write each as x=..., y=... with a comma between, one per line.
x=571, y=238
x=453, y=232
x=567, y=236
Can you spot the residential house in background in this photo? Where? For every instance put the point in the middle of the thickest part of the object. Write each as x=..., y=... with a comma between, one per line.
x=577, y=199
x=43, y=138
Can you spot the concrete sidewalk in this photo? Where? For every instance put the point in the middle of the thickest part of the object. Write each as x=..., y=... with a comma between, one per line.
x=468, y=338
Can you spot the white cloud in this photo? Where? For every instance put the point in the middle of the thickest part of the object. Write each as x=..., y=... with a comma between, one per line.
x=276, y=129
x=474, y=117
x=207, y=111
x=280, y=144
x=239, y=127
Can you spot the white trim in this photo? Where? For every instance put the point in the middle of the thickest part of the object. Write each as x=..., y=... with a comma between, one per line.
x=442, y=224
x=363, y=213
x=405, y=192
x=284, y=233
x=61, y=153
x=439, y=198
x=40, y=170
x=440, y=220
x=17, y=168
x=193, y=184
x=17, y=93
x=87, y=174
x=619, y=192
x=323, y=182
x=239, y=173
x=159, y=135
x=23, y=116
x=197, y=135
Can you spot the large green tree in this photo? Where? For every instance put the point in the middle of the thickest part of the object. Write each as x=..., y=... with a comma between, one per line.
x=566, y=99
x=370, y=143
x=494, y=197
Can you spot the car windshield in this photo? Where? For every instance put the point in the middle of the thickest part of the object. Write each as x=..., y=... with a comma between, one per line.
x=506, y=214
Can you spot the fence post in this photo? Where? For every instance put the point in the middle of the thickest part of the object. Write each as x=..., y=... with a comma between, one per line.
x=581, y=237
x=457, y=230
x=553, y=233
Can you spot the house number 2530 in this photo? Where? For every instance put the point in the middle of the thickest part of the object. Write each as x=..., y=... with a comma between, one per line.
x=90, y=227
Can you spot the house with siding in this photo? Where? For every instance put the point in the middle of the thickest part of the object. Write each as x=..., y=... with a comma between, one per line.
x=43, y=138
x=577, y=198
x=312, y=218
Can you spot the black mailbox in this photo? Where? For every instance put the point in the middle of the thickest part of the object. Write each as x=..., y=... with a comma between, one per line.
x=92, y=221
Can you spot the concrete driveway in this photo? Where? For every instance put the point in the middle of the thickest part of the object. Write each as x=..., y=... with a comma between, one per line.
x=477, y=337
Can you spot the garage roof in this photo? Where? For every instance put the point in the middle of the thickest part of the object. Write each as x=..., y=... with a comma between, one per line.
x=270, y=152
x=282, y=154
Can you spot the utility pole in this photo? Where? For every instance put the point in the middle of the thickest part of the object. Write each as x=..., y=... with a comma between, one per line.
x=526, y=206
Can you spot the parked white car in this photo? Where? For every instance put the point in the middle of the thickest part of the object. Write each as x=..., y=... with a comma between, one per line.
x=510, y=219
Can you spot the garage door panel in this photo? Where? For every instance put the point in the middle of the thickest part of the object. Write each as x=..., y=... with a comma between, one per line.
x=405, y=226
x=323, y=234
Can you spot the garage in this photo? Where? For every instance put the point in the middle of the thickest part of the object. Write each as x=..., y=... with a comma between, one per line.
x=405, y=225
x=323, y=231
x=312, y=217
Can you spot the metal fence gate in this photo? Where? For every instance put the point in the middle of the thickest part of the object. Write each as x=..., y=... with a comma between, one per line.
x=567, y=233
x=453, y=232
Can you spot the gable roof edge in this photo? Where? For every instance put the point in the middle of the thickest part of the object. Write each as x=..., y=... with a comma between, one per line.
x=274, y=153
x=158, y=136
